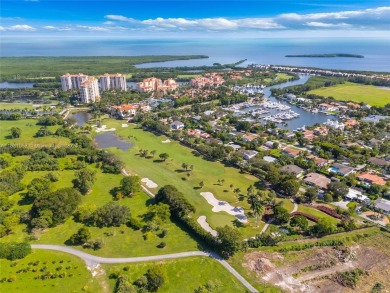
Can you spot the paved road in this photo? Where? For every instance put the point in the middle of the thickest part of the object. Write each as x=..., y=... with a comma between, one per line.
x=295, y=209
x=93, y=261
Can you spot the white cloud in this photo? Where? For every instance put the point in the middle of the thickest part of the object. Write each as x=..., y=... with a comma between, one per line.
x=2, y=28
x=375, y=18
x=109, y=22
x=21, y=27
x=336, y=15
x=120, y=18
x=57, y=28
x=328, y=25
x=258, y=23
x=214, y=24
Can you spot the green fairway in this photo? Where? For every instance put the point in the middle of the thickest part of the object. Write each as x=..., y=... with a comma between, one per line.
x=170, y=172
x=369, y=94
x=183, y=275
x=29, y=129
x=76, y=276
x=14, y=106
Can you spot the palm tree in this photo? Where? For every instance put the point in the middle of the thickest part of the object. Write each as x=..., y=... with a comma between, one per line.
x=256, y=206
x=153, y=153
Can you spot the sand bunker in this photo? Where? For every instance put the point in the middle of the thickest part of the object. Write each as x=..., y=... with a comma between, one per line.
x=203, y=223
x=166, y=141
x=219, y=206
x=149, y=183
x=103, y=128
x=125, y=125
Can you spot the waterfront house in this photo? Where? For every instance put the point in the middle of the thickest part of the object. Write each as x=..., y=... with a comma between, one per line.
x=326, y=107
x=350, y=123
x=334, y=124
x=321, y=130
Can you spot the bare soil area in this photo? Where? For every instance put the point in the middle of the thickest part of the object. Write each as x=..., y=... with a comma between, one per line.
x=312, y=270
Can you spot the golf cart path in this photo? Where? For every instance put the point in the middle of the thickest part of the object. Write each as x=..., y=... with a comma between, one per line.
x=92, y=260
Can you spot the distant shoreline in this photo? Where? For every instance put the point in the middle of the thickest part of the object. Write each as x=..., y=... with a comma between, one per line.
x=326, y=55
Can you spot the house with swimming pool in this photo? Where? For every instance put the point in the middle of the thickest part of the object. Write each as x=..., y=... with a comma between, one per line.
x=341, y=169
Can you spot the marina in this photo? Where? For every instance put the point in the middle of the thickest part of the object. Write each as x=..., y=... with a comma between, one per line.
x=271, y=109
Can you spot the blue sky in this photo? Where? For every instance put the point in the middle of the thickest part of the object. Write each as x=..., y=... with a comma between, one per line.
x=24, y=18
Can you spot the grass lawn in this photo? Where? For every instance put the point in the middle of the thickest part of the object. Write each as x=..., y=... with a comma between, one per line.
x=19, y=106
x=287, y=204
x=29, y=128
x=183, y=275
x=316, y=213
x=372, y=95
x=170, y=172
x=25, y=282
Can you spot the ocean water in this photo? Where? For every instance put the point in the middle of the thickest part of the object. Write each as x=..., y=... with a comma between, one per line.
x=261, y=51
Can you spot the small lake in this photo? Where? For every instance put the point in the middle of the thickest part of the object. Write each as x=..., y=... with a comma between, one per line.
x=81, y=117
x=109, y=139
x=15, y=85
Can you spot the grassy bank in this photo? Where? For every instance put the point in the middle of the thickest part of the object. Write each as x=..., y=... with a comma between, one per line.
x=372, y=95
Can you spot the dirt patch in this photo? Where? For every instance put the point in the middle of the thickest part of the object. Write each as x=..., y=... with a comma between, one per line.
x=311, y=270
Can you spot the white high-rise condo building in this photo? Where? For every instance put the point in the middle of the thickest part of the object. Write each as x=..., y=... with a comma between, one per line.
x=89, y=90
x=113, y=81
x=72, y=81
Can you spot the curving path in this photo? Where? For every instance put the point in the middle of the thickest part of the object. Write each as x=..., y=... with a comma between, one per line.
x=92, y=260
